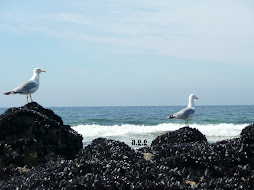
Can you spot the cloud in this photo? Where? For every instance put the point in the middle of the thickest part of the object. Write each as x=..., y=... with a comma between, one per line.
x=212, y=31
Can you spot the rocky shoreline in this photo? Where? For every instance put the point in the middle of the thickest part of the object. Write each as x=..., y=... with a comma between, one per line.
x=37, y=151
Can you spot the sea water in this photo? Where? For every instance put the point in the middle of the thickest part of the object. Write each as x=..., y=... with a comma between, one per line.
x=139, y=126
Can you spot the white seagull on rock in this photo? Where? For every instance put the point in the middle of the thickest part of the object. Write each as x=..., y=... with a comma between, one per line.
x=187, y=112
x=28, y=87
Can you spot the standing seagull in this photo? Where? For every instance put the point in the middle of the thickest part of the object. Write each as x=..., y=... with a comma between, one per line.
x=28, y=87
x=187, y=112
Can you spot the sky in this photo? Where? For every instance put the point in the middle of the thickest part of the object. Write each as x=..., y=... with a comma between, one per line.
x=128, y=53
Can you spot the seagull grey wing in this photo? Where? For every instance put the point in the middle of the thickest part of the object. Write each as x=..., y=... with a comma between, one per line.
x=26, y=87
x=185, y=113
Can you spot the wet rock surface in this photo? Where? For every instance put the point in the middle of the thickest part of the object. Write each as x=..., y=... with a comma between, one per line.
x=177, y=160
x=32, y=135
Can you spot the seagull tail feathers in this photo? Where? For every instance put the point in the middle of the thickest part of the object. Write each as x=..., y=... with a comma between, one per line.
x=8, y=93
x=171, y=117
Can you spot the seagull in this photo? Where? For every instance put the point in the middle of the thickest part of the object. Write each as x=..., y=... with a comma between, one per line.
x=187, y=112
x=28, y=87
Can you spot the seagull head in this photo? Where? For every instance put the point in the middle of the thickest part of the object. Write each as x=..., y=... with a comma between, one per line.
x=38, y=71
x=193, y=96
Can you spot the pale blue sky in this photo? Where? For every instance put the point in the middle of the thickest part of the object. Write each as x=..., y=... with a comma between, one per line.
x=135, y=52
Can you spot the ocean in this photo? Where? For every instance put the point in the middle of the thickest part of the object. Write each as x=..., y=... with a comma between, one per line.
x=138, y=126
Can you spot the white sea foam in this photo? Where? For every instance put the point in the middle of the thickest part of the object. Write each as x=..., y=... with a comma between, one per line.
x=128, y=132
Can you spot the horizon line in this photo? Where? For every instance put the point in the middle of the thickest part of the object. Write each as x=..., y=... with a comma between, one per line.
x=135, y=106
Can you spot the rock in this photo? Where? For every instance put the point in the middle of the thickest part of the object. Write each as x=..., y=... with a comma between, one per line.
x=148, y=156
x=179, y=144
x=183, y=135
x=193, y=184
x=124, y=171
x=247, y=134
x=187, y=163
x=32, y=135
x=102, y=149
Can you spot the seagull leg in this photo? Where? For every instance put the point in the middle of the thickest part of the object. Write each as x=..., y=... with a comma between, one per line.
x=187, y=123
x=31, y=98
x=27, y=98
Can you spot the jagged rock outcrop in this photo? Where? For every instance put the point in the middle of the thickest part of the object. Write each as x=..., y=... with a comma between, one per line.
x=32, y=135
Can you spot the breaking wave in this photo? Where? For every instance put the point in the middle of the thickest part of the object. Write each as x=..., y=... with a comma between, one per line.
x=127, y=132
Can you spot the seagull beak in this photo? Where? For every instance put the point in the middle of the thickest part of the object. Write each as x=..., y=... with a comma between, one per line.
x=196, y=98
x=43, y=71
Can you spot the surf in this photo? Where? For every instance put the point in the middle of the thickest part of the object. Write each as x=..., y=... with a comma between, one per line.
x=129, y=132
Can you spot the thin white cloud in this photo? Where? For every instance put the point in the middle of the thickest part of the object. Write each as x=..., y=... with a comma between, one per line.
x=202, y=30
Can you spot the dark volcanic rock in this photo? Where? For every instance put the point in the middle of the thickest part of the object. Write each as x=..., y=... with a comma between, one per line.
x=183, y=135
x=182, y=160
x=31, y=135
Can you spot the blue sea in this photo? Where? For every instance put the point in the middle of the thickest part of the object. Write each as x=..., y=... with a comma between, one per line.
x=140, y=125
